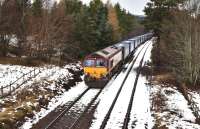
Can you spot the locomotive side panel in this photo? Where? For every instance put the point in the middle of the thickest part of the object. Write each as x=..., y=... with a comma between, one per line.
x=115, y=60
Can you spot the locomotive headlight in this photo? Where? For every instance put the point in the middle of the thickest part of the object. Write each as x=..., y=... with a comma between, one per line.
x=103, y=75
x=87, y=74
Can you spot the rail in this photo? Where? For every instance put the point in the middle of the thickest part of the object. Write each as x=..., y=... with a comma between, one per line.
x=66, y=109
x=104, y=123
x=127, y=117
x=59, y=116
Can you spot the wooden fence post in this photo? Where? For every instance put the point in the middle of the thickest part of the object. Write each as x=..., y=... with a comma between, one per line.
x=1, y=90
x=10, y=88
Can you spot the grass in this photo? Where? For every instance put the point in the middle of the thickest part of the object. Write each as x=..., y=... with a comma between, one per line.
x=16, y=111
x=164, y=78
x=20, y=61
x=29, y=61
x=28, y=100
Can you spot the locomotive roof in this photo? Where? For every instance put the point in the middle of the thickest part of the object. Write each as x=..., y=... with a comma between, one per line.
x=107, y=52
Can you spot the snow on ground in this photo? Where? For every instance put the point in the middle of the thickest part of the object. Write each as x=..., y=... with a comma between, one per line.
x=154, y=106
x=45, y=82
x=195, y=96
x=157, y=106
x=122, y=102
x=175, y=112
x=140, y=114
x=140, y=117
x=108, y=94
x=106, y=98
x=84, y=101
x=55, y=102
x=11, y=73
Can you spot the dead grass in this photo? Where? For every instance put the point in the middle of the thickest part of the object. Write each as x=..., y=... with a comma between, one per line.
x=21, y=61
x=157, y=126
x=17, y=111
x=158, y=102
x=164, y=78
x=158, y=105
x=146, y=70
x=29, y=99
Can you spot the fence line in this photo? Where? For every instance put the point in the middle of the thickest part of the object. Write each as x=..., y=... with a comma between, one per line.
x=31, y=74
x=10, y=88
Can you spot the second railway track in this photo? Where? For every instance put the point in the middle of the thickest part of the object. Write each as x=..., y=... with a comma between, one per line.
x=71, y=115
x=107, y=117
x=127, y=117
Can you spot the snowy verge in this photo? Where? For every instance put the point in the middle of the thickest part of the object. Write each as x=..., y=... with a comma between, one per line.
x=170, y=109
x=40, y=95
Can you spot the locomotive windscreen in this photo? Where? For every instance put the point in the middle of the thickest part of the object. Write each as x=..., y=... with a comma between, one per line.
x=89, y=63
x=101, y=63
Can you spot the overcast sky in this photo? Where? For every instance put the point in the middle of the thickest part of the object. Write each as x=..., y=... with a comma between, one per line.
x=133, y=6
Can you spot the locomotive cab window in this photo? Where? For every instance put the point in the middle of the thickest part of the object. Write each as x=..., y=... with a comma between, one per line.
x=100, y=63
x=111, y=63
x=89, y=63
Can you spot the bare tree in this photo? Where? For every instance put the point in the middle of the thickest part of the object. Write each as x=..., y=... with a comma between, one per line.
x=183, y=43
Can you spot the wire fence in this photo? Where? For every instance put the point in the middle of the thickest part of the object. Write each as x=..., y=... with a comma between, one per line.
x=8, y=89
x=46, y=73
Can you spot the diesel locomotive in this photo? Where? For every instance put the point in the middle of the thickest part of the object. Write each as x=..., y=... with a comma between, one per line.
x=100, y=65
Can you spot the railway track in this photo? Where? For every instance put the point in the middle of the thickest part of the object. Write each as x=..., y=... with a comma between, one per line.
x=65, y=110
x=127, y=117
x=53, y=123
x=68, y=118
x=86, y=120
x=104, y=123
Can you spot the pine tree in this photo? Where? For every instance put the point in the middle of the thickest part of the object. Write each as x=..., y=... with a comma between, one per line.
x=85, y=32
x=127, y=21
x=157, y=11
x=37, y=8
x=72, y=7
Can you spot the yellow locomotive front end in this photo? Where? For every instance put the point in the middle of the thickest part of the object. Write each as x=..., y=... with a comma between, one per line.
x=95, y=68
x=96, y=71
x=98, y=66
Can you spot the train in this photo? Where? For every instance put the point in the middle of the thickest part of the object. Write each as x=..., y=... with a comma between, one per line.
x=100, y=66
